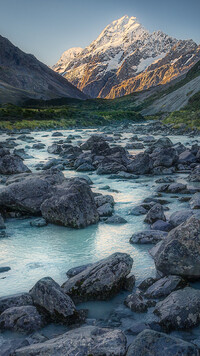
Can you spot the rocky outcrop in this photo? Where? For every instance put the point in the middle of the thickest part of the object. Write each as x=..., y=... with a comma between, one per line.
x=100, y=281
x=150, y=342
x=179, y=253
x=88, y=340
x=50, y=298
x=180, y=310
x=72, y=205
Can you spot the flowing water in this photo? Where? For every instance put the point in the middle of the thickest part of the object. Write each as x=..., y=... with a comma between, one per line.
x=33, y=253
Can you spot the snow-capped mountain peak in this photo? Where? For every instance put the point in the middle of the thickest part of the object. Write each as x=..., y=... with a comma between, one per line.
x=126, y=57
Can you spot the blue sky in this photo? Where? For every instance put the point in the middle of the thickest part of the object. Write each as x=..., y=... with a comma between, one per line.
x=46, y=28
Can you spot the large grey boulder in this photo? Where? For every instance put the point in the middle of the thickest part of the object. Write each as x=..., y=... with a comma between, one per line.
x=153, y=343
x=100, y=281
x=11, y=163
x=179, y=252
x=71, y=205
x=141, y=164
x=180, y=216
x=187, y=157
x=92, y=141
x=164, y=157
x=180, y=310
x=88, y=340
x=148, y=237
x=22, y=319
x=154, y=214
x=49, y=296
x=164, y=286
x=28, y=193
x=16, y=300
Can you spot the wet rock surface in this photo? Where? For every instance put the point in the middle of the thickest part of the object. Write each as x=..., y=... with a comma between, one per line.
x=179, y=253
x=88, y=340
x=154, y=343
x=100, y=281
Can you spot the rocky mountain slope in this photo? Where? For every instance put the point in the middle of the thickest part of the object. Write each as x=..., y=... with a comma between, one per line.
x=23, y=76
x=126, y=58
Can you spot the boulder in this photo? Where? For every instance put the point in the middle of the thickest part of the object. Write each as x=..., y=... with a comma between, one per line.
x=179, y=252
x=164, y=157
x=49, y=296
x=55, y=148
x=105, y=210
x=21, y=319
x=141, y=164
x=28, y=194
x=195, y=201
x=153, y=343
x=178, y=217
x=155, y=213
x=148, y=237
x=11, y=163
x=92, y=141
x=138, y=210
x=76, y=270
x=164, y=286
x=162, y=226
x=72, y=205
x=187, y=157
x=176, y=187
x=16, y=300
x=180, y=310
x=100, y=281
x=136, y=303
x=87, y=340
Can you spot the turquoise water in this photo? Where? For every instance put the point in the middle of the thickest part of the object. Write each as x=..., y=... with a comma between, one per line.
x=33, y=253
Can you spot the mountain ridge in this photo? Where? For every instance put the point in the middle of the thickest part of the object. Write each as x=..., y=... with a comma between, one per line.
x=113, y=63
x=23, y=73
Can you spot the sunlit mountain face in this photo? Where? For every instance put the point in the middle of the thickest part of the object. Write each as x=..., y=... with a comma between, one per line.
x=126, y=58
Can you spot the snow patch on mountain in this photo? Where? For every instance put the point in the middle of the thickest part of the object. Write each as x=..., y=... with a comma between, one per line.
x=145, y=63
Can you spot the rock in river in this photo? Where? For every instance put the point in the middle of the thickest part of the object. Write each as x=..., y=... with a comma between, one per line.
x=26, y=195
x=180, y=310
x=16, y=300
x=179, y=252
x=88, y=340
x=49, y=296
x=147, y=237
x=11, y=163
x=153, y=343
x=100, y=281
x=72, y=205
x=23, y=319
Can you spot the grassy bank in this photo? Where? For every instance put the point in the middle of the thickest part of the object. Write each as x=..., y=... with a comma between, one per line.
x=74, y=113
x=188, y=116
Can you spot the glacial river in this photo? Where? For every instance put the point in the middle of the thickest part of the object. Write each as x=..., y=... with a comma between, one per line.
x=33, y=253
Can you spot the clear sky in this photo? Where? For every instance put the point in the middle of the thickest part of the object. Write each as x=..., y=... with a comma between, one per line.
x=46, y=28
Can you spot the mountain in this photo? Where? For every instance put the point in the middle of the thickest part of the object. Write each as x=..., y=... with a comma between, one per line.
x=22, y=76
x=126, y=58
